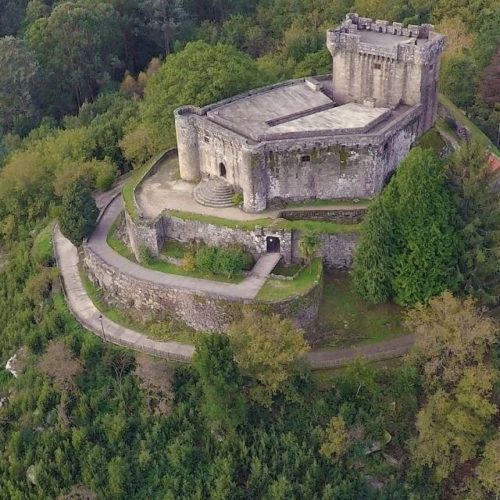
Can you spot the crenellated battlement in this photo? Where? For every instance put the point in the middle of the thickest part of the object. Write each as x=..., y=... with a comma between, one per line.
x=364, y=35
x=355, y=23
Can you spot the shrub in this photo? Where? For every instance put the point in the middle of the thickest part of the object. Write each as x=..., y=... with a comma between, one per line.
x=145, y=256
x=78, y=213
x=189, y=262
x=237, y=198
x=205, y=259
x=227, y=261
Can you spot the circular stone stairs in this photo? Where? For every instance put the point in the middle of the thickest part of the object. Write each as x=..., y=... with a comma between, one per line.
x=214, y=193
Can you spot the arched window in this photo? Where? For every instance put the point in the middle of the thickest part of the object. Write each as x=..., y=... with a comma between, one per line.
x=222, y=169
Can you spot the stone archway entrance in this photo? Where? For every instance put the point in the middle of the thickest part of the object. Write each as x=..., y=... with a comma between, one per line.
x=273, y=244
x=222, y=170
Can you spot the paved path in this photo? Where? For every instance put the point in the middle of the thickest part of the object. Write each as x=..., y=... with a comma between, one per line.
x=334, y=358
x=247, y=289
x=89, y=316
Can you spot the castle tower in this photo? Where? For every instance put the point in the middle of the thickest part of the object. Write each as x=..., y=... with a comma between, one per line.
x=386, y=64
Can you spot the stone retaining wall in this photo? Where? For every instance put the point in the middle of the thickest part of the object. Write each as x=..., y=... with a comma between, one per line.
x=337, y=250
x=203, y=312
x=353, y=215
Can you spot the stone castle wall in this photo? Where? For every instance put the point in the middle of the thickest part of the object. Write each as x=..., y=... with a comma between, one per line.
x=337, y=250
x=346, y=169
x=254, y=241
x=390, y=73
x=340, y=166
x=202, y=312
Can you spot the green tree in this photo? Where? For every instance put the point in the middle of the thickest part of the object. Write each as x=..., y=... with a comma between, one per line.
x=267, y=348
x=373, y=261
x=423, y=211
x=477, y=222
x=451, y=426
x=162, y=19
x=336, y=441
x=17, y=85
x=77, y=47
x=451, y=335
x=314, y=63
x=197, y=75
x=458, y=79
x=407, y=247
x=223, y=400
x=488, y=469
x=78, y=213
x=11, y=16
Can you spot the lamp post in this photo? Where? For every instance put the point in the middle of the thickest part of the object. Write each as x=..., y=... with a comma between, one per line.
x=102, y=328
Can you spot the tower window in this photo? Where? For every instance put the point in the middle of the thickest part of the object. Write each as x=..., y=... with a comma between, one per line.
x=207, y=139
x=431, y=66
x=377, y=65
x=305, y=158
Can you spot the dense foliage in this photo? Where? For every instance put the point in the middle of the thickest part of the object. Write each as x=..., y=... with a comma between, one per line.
x=79, y=212
x=407, y=249
x=477, y=220
x=85, y=96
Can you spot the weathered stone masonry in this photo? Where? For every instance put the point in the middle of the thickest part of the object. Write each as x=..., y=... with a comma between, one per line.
x=200, y=311
x=301, y=151
x=336, y=249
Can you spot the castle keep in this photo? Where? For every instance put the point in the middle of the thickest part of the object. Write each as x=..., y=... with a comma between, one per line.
x=330, y=137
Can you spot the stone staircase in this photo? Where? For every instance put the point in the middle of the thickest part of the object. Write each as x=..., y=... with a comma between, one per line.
x=214, y=193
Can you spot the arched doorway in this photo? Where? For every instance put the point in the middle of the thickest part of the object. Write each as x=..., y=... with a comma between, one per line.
x=272, y=244
x=222, y=169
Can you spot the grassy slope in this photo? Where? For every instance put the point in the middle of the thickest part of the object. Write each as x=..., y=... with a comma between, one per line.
x=477, y=133
x=275, y=289
x=432, y=140
x=42, y=245
x=346, y=319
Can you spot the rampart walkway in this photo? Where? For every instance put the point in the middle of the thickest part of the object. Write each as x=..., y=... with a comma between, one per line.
x=89, y=316
x=247, y=289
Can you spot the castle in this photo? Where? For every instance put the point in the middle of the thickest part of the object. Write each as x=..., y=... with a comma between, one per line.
x=323, y=138
x=330, y=137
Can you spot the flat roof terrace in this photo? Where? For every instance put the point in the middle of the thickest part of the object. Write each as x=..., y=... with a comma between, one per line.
x=295, y=108
x=386, y=40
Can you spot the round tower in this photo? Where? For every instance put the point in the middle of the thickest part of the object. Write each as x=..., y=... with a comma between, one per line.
x=187, y=144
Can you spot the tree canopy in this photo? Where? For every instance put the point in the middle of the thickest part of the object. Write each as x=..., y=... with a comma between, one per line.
x=78, y=213
x=408, y=243
x=197, y=75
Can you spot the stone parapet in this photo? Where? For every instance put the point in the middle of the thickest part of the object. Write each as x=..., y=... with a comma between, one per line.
x=337, y=250
x=200, y=311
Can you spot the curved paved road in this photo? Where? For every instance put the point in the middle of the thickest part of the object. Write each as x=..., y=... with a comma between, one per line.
x=247, y=289
x=89, y=316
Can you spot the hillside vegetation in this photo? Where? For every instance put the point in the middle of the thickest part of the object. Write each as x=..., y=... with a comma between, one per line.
x=87, y=90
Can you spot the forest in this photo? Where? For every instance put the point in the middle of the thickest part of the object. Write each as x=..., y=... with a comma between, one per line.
x=87, y=91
